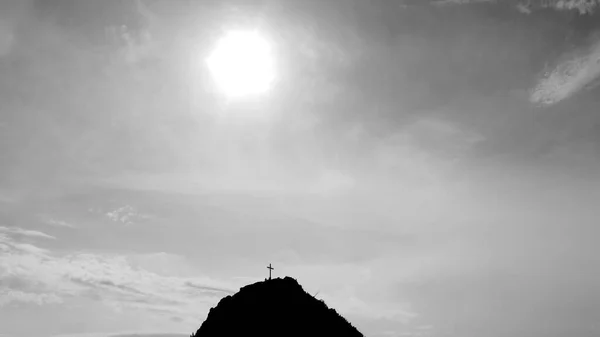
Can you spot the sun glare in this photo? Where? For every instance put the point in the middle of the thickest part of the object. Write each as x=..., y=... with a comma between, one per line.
x=242, y=64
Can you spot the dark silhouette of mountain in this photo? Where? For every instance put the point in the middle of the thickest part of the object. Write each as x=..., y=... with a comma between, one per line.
x=277, y=307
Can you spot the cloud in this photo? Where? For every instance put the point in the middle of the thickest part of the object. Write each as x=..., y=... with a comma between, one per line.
x=527, y=6
x=205, y=288
x=123, y=334
x=59, y=223
x=127, y=214
x=107, y=278
x=26, y=232
x=576, y=70
x=523, y=8
x=461, y=2
x=8, y=296
x=579, y=69
x=122, y=214
x=137, y=45
x=583, y=6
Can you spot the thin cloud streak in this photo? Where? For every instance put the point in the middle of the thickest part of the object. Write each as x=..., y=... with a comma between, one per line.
x=59, y=223
x=570, y=76
x=26, y=232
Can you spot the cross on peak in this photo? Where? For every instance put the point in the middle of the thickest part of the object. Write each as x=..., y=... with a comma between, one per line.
x=270, y=268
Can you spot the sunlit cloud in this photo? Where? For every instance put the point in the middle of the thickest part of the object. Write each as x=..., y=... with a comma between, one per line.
x=108, y=278
x=127, y=214
x=570, y=76
x=59, y=223
x=26, y=232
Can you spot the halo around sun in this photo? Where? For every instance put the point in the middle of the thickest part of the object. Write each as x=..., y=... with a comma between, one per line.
x=242, y=64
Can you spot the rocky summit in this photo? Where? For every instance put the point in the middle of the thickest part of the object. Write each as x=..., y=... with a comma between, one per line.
x=276, y=307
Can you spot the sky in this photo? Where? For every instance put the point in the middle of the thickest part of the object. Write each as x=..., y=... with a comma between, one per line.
x=427, y=168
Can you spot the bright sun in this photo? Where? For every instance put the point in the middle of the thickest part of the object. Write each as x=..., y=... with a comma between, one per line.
x=242, y=64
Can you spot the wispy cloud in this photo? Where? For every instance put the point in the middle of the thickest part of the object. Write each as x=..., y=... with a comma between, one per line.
x=108, y=278
x=523, y=8
x=206, y=288
x=583, y=6
x=126, y=284
x=59, y=223
x=126, y=214
x=527, y=6
x=26, y=232
x=8, y=296
x=461, y=2
x=578, y=70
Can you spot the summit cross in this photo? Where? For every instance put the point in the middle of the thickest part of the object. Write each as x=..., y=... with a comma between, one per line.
x=270, y=268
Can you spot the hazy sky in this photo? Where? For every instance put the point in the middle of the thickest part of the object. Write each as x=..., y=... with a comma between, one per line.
x=430, y=168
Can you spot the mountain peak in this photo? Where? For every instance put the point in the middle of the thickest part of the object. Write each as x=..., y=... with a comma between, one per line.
x=274, y=307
